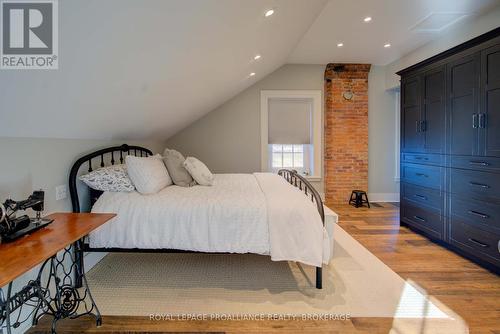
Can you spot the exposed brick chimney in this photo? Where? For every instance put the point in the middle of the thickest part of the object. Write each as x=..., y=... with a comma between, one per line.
x=346, y=130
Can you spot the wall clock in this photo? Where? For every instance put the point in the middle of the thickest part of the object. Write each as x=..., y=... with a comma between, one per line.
x=348, y=95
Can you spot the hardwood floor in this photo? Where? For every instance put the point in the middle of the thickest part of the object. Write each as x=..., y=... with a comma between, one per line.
x=472, y=292
x=469, y=290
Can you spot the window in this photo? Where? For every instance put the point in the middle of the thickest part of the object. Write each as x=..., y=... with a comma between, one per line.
x=290, y=156
x=291, y=131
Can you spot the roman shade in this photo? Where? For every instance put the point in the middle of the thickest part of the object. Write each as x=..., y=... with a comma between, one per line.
x=290, y=120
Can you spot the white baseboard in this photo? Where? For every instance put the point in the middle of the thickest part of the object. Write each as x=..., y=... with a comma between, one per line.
x=383, y=197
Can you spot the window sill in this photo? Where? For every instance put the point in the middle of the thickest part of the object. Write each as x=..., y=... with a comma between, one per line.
x=313, y=178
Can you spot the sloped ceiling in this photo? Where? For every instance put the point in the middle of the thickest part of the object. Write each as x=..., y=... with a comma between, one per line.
x=137, y=69
x=393, y=21
x=145, y=69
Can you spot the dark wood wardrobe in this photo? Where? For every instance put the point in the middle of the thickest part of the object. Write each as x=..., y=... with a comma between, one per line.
x=450, y=149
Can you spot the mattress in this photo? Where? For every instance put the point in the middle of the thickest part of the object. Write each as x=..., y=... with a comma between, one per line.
x=232, y=216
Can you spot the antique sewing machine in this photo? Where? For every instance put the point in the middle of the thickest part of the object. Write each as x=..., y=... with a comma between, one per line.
x=13, y=226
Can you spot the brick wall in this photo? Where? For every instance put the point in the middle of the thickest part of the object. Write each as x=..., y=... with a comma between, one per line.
x=346, y=131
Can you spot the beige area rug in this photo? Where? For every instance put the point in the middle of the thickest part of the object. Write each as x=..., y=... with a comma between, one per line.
x=356, y=283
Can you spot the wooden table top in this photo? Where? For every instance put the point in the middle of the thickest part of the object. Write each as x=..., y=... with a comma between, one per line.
x=23, y=254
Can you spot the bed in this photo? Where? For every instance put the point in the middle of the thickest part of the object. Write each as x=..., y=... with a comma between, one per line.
x=281, y=216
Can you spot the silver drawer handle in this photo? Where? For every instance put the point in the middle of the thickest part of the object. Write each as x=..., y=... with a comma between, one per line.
x=479, y=163
x=421, y=174
x=485, y=186
x=421, y=197
x=475, y=121
x=475, y=213
x=421, y=158
x=474, y=241
x=419, y=218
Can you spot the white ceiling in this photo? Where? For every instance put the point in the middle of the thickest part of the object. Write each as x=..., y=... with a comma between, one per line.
x=392, y=22
x=131, y=69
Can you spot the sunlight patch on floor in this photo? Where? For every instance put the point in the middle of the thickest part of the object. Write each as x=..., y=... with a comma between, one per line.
x=415, y=304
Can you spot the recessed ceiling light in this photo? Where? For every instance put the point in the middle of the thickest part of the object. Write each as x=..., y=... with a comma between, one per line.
x=252, y=74
x=367, y=19
x=387, y=45
x=257, y=57
x=339, y=45
x=269, y=12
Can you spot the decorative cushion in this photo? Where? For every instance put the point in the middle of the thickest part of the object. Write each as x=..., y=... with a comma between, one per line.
x=148, y=174
x=199, y=171
x=111, y=178
x=174, y=162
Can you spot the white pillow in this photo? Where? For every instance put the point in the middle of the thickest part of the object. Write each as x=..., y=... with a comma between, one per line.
x=148, y=174
x=199, y=171
x=111, y=178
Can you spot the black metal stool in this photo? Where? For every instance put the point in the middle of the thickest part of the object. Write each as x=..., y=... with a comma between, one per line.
x=357, y=198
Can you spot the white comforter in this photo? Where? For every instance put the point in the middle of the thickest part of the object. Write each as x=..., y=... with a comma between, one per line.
x=241, y=213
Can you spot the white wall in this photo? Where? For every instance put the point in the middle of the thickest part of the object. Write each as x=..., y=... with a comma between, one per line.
x=228, y=138
x=29, y=164
x=382, y=138
x=449, y=39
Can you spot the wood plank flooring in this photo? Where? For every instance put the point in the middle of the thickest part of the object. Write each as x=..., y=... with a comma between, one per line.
x=472, y=292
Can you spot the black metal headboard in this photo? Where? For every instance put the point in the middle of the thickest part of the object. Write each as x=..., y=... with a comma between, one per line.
x=118, y=152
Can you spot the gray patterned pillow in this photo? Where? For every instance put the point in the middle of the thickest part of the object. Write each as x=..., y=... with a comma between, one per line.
x=111, y=178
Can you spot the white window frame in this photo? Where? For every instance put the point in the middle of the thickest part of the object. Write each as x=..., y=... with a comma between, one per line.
x=316, y=96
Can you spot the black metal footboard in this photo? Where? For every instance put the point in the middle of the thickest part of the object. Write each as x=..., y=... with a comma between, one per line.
x=301, y=183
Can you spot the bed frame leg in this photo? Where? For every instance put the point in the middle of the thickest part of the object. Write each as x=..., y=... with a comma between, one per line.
x=319, y=278
x=79, y=265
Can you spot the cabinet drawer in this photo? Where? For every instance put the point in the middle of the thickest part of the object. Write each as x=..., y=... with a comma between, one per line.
x=476, y=241
x=427, y=176
x=480, y=185
x=487, y=164
x=476, y=212
x=426, y=220
x=425, y=196
x=420, y=158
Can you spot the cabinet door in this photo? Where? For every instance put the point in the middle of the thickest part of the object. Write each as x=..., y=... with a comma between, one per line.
x=411, y=137
x=489, y=127
x=433, y=111
x=463, y=83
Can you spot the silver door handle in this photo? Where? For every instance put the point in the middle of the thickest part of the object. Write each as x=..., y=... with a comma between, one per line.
x=421, y=197
x=474, y=121
x=479, y=163
x=482, y=121
x=485, y=186
x=480, y=244
x=475, y=213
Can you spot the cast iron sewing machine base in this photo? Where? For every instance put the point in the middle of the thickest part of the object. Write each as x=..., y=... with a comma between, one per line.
x=55, y=295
